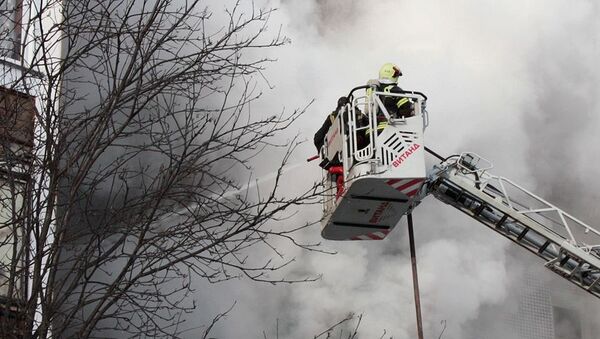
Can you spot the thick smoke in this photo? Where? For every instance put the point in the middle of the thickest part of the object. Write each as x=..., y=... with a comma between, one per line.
x=515, y=82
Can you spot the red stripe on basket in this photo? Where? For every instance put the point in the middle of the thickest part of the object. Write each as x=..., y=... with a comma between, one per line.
x=409, y=184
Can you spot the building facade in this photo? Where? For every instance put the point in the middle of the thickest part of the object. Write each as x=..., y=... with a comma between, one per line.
x=539, y=305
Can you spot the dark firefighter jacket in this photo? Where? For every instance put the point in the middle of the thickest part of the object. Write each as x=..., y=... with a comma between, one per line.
x=319, y=138
x=397, y=107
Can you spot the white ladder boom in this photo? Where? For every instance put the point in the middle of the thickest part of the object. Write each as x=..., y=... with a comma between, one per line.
x=569, y=247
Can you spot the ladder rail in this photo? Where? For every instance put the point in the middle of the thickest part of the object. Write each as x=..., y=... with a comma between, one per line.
x=487, y=179
x=562, y=214
x=567, y=255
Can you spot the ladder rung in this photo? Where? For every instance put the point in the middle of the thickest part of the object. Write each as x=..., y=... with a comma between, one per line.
x=543, y=247
x=558, y=270
x=575, y=269
x=479, y=209
x=594, y=283
x=460, y=195
x=501, y=221
x=522, y=234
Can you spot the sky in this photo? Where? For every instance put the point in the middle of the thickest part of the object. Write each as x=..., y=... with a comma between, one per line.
x=514, y=81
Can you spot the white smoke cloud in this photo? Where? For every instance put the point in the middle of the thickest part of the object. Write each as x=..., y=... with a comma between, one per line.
x=492, y=71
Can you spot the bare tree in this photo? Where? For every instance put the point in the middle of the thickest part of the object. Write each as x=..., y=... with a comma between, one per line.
x=135, y=180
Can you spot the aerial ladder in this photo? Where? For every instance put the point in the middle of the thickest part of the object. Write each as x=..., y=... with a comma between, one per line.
x=374, y=177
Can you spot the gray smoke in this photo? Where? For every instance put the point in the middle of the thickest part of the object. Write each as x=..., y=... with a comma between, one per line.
x=515, y=82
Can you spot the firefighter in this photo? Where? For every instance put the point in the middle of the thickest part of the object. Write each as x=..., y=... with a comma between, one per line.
x=387, y=82
x=319, y=138
x=333, y=165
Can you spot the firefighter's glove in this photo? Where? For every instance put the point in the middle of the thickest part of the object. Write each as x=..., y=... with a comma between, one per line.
x=325, y=164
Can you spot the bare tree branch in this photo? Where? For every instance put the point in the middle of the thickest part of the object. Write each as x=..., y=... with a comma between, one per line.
x=136, y=181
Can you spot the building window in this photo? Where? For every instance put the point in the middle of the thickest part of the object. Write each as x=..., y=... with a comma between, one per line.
x=17, y=113
x=11, y=13
x=12, y=249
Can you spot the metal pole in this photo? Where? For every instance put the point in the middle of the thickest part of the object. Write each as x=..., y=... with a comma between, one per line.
x=413, y=261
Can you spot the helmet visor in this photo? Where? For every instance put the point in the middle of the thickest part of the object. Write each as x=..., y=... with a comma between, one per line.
x=397, y=72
